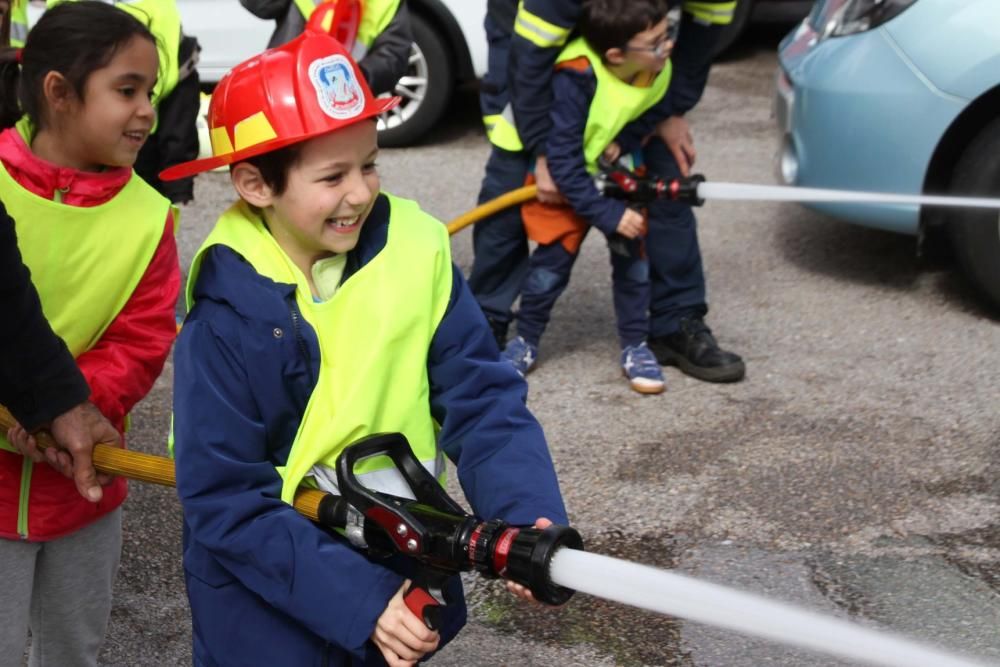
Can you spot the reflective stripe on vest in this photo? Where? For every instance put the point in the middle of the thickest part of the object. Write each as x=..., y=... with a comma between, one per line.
x=163, y=20
x=373, y=335
x=537, y=30
x=501, y=131
x=615, y=102
x=715, y=13
x=18, y=23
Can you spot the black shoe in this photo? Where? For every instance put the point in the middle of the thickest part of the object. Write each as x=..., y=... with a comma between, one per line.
x=693, y=349
x=499, y=329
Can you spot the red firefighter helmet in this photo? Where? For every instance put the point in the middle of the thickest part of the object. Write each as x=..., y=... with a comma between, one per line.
x=285, y=95
x=337, y=18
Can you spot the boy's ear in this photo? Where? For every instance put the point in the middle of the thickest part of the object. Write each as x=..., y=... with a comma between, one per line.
x=614, y=56
x=57, y=91
x=250, y=185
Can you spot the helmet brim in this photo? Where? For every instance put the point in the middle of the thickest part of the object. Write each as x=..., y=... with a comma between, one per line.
x=378, y=106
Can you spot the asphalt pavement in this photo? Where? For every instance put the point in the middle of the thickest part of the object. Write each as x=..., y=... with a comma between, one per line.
x=856, y=470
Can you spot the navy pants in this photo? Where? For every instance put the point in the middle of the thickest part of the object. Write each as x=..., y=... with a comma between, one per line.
x=548, y=275
x=499, y=242
x=675, y=271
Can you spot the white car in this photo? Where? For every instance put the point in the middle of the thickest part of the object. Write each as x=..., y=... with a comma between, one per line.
x=449, y=49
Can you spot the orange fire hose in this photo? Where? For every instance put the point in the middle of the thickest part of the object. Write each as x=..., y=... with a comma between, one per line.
x=114, y=460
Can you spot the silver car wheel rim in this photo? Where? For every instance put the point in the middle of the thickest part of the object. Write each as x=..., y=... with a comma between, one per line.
x=412, y=88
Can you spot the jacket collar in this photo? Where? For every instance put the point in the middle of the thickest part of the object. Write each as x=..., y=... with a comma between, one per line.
x=40, y=177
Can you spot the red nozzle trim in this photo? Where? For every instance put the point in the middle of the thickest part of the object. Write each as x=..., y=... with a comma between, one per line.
x=502, y=550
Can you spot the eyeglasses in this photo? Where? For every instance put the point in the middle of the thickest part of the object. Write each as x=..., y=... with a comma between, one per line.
x=660, y=49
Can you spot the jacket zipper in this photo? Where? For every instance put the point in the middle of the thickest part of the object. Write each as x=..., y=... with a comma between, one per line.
x=296, y=327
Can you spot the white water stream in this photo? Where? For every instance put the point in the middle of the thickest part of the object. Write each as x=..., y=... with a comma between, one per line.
x=751, y=192
x=669, y=593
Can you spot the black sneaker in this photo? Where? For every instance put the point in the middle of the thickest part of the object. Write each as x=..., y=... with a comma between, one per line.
x=693, y=349
x=499, y=329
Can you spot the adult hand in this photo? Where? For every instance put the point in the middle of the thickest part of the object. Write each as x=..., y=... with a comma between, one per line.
x=548, y=192
x=76, y=431
x=518, y=590
x=402, y=637
x=676, y=134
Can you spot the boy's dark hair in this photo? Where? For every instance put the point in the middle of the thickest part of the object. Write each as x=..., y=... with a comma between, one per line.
x=74, y=39
x=274, y=166
x=610, y=24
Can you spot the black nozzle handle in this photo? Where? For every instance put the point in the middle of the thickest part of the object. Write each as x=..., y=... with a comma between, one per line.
x=394, y=445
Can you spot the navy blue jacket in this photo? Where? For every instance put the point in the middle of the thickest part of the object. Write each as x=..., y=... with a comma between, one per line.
x=267, y=586
x=529, y=69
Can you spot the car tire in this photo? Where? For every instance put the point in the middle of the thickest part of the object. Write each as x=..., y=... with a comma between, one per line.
x=425, y=88
x=975, y=233
x=731, y=33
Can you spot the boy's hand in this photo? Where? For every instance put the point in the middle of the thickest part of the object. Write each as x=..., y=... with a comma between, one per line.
x=632, y=225
x=612, y=152
x=676, y=134
x=548, y=192
x=400, y=635
x=518, y=590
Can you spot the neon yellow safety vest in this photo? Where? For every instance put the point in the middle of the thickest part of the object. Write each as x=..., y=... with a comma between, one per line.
x=163, y=20
x=374, y=334
x=375, y=17
x=18, y=23
x=615, y=103
x=84, y=278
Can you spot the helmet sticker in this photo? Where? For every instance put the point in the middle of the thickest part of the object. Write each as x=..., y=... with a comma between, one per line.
x=337, y=88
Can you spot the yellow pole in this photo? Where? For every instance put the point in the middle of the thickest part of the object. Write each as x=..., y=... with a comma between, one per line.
x=114, y=460
x=486, y=209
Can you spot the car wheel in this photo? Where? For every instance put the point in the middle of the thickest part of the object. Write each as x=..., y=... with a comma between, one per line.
x=975, y=233
x=734, y=30
x=425, y=88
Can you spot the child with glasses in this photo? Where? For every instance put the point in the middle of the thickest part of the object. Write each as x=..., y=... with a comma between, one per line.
x=609, y=91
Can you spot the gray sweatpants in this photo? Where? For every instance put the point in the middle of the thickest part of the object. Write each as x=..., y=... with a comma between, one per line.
x=62, y=590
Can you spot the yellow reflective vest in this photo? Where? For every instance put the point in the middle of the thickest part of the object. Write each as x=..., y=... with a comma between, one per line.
x=374, y=334
x=83, y=287
x=615, y=104
x=18, y=23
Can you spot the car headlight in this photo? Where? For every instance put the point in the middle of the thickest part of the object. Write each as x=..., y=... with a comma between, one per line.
x=847, y=17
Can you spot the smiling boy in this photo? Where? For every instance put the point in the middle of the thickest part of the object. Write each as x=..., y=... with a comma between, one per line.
x=321, y=311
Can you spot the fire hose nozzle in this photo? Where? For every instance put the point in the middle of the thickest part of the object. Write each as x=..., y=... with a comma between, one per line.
x=685, y=189
x=530, y=556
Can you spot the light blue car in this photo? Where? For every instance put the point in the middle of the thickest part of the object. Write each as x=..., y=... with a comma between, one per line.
x=899, y=96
